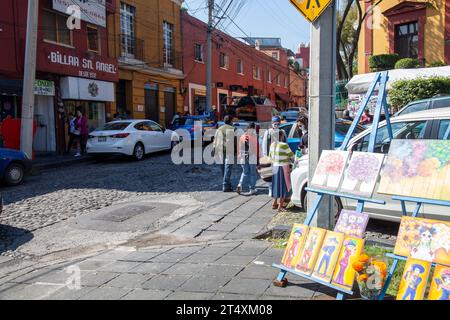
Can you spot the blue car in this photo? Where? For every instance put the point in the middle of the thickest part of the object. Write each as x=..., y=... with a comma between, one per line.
x=187, y=123
x=341, y=129
x=14, y=166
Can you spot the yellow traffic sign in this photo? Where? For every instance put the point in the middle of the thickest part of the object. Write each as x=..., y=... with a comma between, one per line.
x=311, y=9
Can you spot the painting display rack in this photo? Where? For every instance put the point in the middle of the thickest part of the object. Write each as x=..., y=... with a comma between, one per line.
x=281, y=280
x=419, y=203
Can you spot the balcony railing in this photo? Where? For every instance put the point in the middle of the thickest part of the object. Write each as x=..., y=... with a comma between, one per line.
x=131, y=47
x=173, y=60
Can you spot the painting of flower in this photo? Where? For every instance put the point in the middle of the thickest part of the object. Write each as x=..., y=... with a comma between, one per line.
x=417, y=168
x=362, y=173
x=424, y=239
x=330, y=169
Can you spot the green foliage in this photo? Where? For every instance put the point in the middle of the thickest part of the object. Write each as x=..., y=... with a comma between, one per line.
x=437, y=64
x=383, y=61
x=406, y=91
x=407, y=63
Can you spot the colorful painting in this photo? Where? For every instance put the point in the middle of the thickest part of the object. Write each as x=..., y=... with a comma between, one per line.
x=294, y=245
x=329, y=171
x=414, y=280
x=440, y=284
x=310, y=251
x=362, y=174
x=352, y=223
x=344, y=274
x=417, y=168
x=424, y=239
x=328, y=256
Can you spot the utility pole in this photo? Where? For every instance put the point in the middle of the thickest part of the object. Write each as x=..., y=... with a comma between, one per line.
x=209, y=56
x=29, y=78
x=322, y=102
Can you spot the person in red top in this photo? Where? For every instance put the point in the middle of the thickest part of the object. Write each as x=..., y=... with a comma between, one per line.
x=366, y=117
x=83, y=127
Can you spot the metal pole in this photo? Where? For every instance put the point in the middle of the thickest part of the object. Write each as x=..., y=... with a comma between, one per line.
x=29, y=77
x=209, y=57
x=322, y=103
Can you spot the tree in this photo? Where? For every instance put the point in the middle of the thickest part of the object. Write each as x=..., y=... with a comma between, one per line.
x=350, y=20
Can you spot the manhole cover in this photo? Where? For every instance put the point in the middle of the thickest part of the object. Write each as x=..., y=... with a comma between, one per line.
x=123, y=214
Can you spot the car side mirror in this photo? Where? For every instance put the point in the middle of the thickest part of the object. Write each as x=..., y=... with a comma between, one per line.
x=163, y=129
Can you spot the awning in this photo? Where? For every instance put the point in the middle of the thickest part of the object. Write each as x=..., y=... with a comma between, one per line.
x=283, y=96
x=11, y=87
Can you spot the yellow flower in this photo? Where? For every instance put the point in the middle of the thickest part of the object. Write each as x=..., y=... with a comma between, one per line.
x=363, y=278
x=363, y=258
x=358, y=266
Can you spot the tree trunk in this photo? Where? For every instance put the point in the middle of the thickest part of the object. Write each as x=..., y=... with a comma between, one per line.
x=341, y=70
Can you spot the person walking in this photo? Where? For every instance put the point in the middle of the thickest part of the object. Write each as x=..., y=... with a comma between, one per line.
x=281, y=156
x=83, y=127
x=73, y=133
x=248, y=159
x=225, y=150
x=269, y=136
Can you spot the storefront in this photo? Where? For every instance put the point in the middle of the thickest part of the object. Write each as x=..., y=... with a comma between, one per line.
x=199, y=101
x=44, y=116
x=91, y=95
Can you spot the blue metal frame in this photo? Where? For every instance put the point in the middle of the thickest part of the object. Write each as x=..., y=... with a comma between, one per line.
x=381, y=78
x=419, y=202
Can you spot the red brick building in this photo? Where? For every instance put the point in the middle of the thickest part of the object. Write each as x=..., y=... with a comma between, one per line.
x=237, y=69
x=74, y=67
x=302, y=56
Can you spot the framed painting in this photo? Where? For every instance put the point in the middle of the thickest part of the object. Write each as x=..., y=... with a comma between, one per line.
x=414, y=280
x=424, y=239
x=295, y=243
x=352, y=223
x=417, y=168
x=330, y=169
x=310, y=251
x=362, y=174
x=440, y=284
x=344, y=274
x=328, y=255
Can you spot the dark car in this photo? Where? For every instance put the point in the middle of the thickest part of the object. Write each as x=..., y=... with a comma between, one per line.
x=187, y=123
x=14, y=166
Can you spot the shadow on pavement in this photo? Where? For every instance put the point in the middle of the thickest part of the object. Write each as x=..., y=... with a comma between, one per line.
x=20, y=236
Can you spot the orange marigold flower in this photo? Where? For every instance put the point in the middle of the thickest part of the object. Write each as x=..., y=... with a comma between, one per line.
x=358, y=266
x=363, y=277
x=363, y=258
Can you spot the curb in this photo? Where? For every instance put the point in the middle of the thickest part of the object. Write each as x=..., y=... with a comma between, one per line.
x=58, y=164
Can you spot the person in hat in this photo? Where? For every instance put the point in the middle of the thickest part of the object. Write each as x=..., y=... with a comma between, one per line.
x=270, y=135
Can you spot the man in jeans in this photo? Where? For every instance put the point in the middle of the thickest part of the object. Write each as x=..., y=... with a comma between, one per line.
x=224, y=151
x=248, y=152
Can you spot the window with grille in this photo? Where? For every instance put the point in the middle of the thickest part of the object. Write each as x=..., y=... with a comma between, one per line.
x=223, y=61
x=93, y=39
x=240, y=66
x=407, y=40
x=127, y=30
x=256, y=73
x=55, y=28
x=168, y=43
x=198, y=52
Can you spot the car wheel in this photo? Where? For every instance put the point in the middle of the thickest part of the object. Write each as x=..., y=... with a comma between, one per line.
x=14, y=174
x=337, y=205
x=139, y=152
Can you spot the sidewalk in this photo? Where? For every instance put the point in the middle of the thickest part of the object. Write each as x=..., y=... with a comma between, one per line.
x=50, y=161
x=223, y=270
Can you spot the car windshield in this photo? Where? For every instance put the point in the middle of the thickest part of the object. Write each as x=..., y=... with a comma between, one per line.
x=342, y=128
x=179, y=121
x=115, y=126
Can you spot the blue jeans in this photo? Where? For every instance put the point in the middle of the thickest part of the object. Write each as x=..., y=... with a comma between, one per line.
x=226, y=174
x=248, y=175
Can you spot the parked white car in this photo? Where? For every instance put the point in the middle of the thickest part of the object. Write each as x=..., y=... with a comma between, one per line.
x=429, y=124
x=131, y=137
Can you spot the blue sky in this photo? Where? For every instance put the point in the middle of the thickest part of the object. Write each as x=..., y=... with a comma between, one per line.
x=261, y=18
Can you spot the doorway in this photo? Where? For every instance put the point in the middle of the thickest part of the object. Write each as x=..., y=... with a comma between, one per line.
x=169, y=102
x=151, y=103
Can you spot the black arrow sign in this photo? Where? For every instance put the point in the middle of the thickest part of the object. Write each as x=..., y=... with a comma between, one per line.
x=308, y=4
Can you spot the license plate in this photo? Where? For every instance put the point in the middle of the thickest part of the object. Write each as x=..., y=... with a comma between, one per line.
x=101, y=139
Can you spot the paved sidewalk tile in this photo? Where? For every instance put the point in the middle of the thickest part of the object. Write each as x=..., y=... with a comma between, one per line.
x=112, y=255
x=258, y=272
x=232, y=296
x=204, y=258
x=166, y=282
x=151, y=267
x=29, y=292
x=246, y=286
x=298, y=290
x=204, y=284
x=92, y=264
x=247, y=251
x=97, y=279
x=140, y=256
x=212, y=235
x=119, y=266
x=141, y=294
x=235, y=260
x=220, y=270
x=178, y=250
x=106, y=293
x=215, y=250
x=67, y=294
x=129, y=280
x=169, y=257
x=186, y=269
x=182, y=296
x=227, y=227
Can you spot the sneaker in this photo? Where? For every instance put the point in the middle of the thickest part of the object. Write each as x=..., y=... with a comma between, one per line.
x=252, y=192
x=238, y=189
x=78, y=155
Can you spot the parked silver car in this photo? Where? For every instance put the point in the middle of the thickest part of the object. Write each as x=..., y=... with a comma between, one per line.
x=429, y=124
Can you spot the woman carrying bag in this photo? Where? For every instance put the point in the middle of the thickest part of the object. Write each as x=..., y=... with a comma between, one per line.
x=281, y=156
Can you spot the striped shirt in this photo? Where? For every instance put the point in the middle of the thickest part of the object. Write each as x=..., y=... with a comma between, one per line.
x=280, y=154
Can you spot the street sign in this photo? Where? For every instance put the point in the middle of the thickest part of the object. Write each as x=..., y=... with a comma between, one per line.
x=311, y=9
